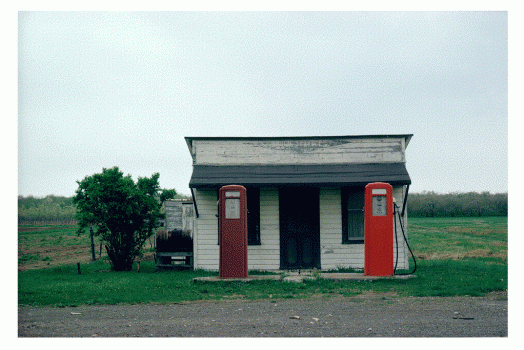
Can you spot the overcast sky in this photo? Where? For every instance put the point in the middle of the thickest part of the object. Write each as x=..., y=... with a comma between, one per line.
x=123, y=89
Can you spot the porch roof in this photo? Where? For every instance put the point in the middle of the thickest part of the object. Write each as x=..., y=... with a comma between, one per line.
x=212, y=176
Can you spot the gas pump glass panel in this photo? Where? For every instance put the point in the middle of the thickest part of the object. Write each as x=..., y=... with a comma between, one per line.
x=232, y=208
x=379, y=205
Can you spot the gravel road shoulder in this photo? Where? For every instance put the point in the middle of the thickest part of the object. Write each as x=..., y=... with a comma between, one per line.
x=362, y=316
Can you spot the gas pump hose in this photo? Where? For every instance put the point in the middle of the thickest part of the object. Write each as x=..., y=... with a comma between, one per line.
x=407, y=244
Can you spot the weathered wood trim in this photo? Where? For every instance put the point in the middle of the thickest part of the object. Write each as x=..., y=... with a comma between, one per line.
x=194, y=202
x=325, y=151
x=403, y=149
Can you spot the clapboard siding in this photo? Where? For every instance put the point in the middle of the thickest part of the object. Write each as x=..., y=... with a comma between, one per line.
x=205, y=241
x=403, y=252
x=265, y=256
x=298, y=151
x=335, y=254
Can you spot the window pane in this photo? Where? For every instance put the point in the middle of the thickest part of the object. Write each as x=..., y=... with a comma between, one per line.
x=356, y=200
x=355, y=224
x=355, y=213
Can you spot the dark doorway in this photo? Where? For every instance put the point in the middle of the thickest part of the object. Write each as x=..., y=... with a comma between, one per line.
x=299, y=228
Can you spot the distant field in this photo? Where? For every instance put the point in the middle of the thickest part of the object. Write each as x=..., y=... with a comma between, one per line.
x=45, y=246
x=455, y=256
x=457, y=238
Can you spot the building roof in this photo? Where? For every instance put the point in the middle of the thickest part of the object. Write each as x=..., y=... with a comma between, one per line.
x=212, y=176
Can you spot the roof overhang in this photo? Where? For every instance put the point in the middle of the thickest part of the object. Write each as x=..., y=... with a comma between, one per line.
x=336, y=175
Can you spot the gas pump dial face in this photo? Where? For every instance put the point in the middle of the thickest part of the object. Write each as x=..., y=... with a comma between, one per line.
x=232, y=208
x=379, y=206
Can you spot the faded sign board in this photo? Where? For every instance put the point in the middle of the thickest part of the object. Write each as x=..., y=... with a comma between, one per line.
x=173, y=215
x=179, y=215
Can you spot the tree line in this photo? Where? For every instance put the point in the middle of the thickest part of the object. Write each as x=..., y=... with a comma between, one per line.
x=58, y=209
x=457, y=204
x=49, y=209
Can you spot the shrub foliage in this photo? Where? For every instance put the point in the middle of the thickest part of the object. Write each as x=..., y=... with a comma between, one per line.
x=122, y=212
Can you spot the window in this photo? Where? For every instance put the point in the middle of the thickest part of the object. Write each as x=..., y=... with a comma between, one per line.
x=352, y=215
x=253, y=216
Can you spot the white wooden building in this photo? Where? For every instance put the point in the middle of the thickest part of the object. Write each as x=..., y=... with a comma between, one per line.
x=305, y=196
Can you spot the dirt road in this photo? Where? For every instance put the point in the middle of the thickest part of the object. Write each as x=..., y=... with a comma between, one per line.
x=363, y=316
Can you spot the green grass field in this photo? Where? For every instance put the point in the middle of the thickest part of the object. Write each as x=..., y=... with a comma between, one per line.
x=455, y=256
x=457, y=238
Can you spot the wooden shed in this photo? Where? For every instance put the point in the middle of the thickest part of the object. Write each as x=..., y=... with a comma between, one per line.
x=179, y=215
x=305, y=196
x=174, y=242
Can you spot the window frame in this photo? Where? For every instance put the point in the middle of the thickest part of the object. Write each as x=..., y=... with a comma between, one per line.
x=253, y=216
x=344, y=196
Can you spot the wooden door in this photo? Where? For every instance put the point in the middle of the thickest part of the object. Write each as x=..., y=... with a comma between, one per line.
x=299, y=228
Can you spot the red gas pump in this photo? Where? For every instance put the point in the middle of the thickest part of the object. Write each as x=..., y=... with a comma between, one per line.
x=378, y=230
x=233, y=232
